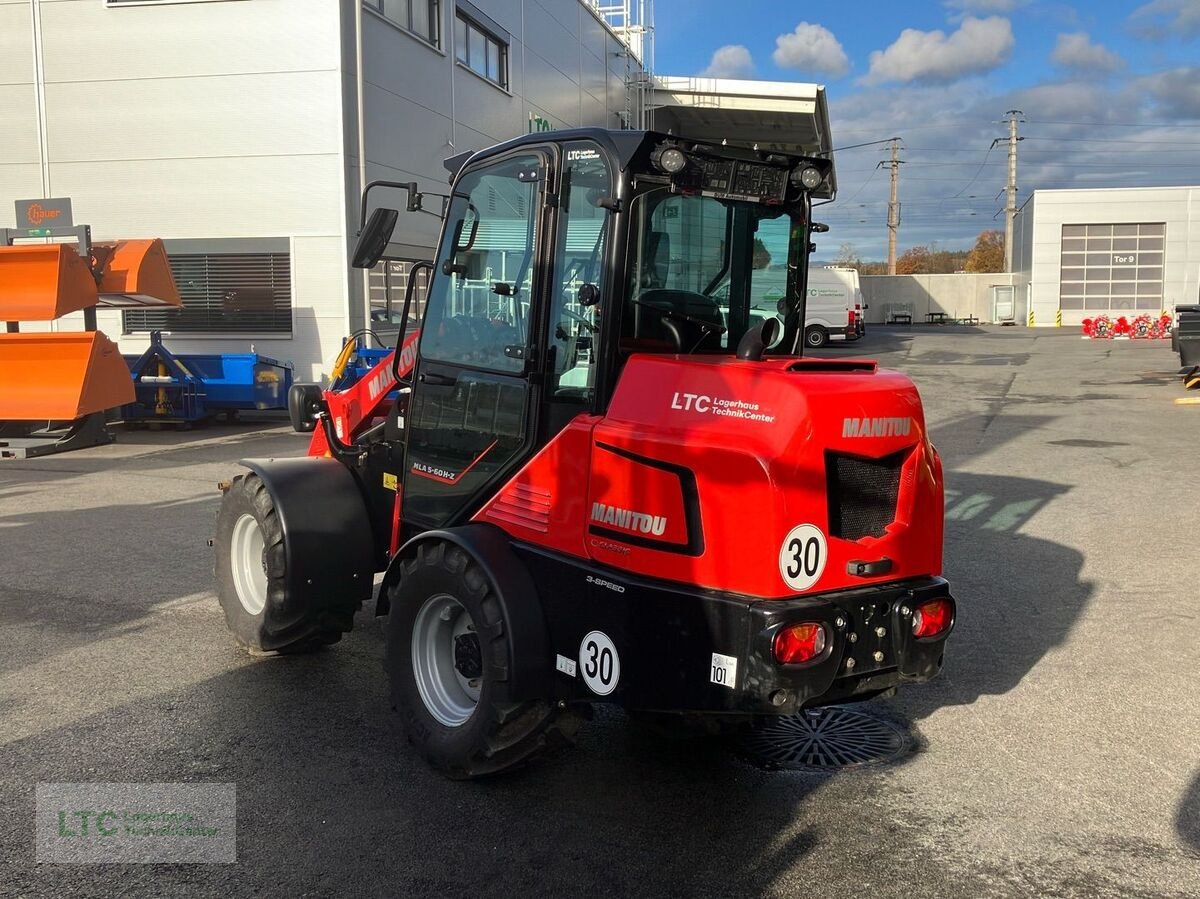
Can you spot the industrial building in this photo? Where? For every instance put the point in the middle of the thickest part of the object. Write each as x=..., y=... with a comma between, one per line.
x=234, y=130
x=1107, y=251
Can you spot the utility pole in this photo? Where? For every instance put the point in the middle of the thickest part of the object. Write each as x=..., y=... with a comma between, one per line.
x=1010, y=203
x=893, y=219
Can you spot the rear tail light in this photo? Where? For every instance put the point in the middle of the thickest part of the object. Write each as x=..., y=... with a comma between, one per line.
x=853, y=315
x=800, y=643
x=932, y=618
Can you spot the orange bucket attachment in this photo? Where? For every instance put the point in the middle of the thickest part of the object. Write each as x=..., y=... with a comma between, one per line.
x=135, y=273
x=61, y=376
x=39, y=283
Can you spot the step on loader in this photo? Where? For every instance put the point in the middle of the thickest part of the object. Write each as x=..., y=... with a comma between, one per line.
x=594, y=475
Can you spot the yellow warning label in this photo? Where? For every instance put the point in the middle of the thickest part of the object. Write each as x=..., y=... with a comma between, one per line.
x=1031, y=318
x=389, y=481
x=1058, y=319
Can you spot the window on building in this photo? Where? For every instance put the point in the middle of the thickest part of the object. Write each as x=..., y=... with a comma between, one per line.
x=1112, y=268
x=421, y=17
x=224, y=292
x=480, y=50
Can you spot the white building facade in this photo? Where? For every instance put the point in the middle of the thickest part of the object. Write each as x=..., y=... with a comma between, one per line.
x=230, y=129
x=1111, y=251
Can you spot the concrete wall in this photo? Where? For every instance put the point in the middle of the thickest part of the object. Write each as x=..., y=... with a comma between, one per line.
x=959, y=296
x=1049, y=210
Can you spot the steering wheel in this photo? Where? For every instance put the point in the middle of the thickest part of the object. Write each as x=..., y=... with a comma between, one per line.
x=671, y=316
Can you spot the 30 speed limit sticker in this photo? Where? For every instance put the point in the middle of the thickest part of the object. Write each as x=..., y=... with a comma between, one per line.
x=802, y=557
x=599, y=663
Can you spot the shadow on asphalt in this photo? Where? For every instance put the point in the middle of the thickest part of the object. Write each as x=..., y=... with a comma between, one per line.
x=331, y=800
x=1187, y=821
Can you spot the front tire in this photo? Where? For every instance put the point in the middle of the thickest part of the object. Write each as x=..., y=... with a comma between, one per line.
x=251, y=570
x=815, y=337
x=448, y=663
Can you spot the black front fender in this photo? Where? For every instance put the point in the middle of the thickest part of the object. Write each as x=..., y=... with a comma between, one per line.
x=327, y=534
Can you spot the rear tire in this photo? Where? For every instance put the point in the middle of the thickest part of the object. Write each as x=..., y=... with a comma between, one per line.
x=815, y=337
x=251, y=570
x=448, y=661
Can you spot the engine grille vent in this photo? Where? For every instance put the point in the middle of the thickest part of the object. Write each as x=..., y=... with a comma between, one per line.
x=862, y=493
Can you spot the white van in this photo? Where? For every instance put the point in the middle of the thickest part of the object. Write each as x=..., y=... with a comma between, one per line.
x=839, y=285
x=833, y=312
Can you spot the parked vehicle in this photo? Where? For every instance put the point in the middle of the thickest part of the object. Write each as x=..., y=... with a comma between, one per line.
x=595, y=482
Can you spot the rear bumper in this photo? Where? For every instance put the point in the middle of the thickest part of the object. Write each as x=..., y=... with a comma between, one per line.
x=674, y=644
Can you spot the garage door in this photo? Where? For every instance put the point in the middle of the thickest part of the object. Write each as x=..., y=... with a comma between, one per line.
x=1112, y=268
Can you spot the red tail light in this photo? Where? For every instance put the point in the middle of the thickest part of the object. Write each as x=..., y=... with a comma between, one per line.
x=799, y=643
x=853, y=316
x=932, y=618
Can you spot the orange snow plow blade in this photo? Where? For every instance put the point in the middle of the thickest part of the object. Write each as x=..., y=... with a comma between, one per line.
x=135, y=273
x=44, y=282
x=61, y=376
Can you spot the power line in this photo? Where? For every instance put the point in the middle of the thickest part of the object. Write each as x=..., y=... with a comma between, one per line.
x=1117, y=124
x=1110, y=140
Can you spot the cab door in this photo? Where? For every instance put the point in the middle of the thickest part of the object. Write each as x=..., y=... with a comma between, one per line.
x=471, y=420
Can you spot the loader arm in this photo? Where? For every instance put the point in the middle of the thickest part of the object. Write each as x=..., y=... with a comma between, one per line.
x=353, y=409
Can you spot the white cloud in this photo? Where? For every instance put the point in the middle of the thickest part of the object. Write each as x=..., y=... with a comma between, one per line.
x=1176, y=93
x=1076, y=51
x=730, y=61
x=1161, y=19
x=811, y=48
x=978, y=46
x=950, y=183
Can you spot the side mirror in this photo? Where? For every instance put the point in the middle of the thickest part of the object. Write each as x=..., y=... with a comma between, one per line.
x=819, y=228
x=373, y=238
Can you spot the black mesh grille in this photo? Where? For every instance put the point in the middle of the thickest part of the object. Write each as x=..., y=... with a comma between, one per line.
x=862, y=494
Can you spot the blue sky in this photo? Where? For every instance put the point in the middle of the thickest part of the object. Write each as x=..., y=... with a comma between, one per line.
x=1110, y=94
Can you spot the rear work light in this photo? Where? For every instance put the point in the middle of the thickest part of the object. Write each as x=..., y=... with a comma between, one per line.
x=799, y=643
x=932, y=618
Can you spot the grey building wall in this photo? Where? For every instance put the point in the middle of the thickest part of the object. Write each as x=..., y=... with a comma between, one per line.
x=565, y=68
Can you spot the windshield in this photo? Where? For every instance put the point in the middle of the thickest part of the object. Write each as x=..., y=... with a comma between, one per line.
x=723, y=264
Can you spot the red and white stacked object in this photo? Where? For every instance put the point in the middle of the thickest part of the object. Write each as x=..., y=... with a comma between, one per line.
x=1144, y=327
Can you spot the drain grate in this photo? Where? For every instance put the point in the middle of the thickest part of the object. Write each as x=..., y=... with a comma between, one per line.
x=825, y=739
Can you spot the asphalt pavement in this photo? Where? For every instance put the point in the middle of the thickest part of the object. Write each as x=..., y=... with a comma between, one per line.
x=1056, y=756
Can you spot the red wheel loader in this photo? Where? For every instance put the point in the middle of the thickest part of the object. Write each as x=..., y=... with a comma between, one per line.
x=603, y=479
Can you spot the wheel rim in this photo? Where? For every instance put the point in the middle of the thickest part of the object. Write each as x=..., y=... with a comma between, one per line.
x=814, y=338
x=248, y=560
x=447, y=660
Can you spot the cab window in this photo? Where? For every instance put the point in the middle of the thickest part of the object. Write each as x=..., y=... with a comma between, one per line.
x=478, y=306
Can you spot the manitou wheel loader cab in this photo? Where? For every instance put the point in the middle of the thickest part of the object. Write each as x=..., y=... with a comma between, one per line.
x=597, y=482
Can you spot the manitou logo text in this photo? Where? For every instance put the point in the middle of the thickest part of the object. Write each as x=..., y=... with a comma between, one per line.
x=876, y=427
x=626, y=520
